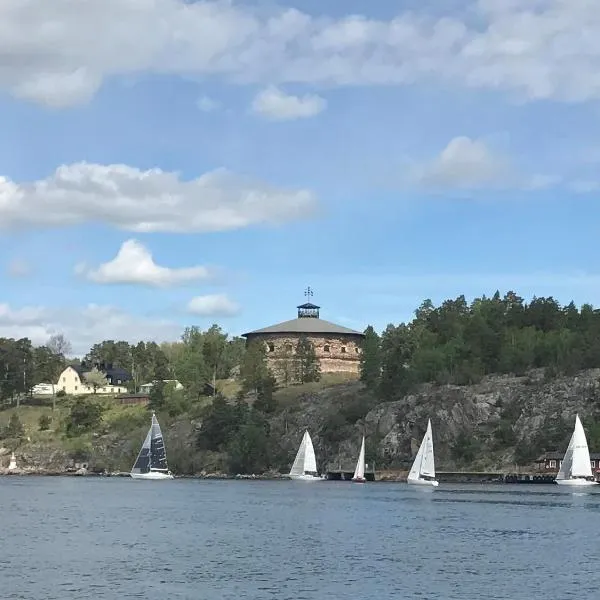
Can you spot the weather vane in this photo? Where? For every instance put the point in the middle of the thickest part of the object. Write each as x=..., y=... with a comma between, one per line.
x=308, y=293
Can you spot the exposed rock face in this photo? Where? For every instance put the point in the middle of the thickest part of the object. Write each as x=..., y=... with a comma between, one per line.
x=523, y=406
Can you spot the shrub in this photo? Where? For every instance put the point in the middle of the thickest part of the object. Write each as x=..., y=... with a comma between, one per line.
x=44, y=422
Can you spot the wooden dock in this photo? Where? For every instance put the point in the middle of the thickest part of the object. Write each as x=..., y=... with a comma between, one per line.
x=347, y=474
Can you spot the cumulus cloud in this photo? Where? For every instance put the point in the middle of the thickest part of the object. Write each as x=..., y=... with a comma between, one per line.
x=537, y=48
x=148, y=201
x=207, y=104
x=464, y=163
x=274, y=104
x=83, y=327
x=467, y=163
x=213, y=305
x=135, y=264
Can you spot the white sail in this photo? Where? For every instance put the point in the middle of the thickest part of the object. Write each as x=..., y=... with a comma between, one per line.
x=359, y=471
x=576, y=462
x=151, y=462
x=424, y=463
x=305, y=461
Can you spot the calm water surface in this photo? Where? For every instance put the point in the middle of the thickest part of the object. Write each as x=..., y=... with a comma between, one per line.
x=71, y=538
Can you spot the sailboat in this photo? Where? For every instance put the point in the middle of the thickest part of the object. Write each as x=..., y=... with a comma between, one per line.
x=359, y=471
x=305, y=463
x=576, y=468
x=422, y=471
x=151, y=462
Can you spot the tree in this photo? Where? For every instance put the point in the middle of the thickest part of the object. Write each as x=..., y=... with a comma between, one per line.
x=95, y=379
x=249, y=448
x=59, y=345
x=265, y=399
x=84, y=416
x=214, y=344
x=254, y=370
x=308, y=368
x=370, y=360
x=14, y=429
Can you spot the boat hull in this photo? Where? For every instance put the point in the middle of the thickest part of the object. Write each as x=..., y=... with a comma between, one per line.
x=359, y=480
x=576, y=482
x=306, y=478
x=423, y=482
x=152, y=475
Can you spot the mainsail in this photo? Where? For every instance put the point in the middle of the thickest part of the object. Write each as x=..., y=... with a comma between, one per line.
x=305, y=461
x=359, y=471
x=424, y=463
x=576, y=462
x=152, y=455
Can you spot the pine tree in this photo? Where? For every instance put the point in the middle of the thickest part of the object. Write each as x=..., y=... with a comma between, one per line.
x=370, y=359
x=308, y=368
x=253, y=369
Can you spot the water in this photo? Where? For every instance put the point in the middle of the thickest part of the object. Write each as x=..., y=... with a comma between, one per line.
x=76, y=538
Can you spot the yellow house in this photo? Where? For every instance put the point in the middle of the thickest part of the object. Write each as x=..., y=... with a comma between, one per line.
x=72, y=382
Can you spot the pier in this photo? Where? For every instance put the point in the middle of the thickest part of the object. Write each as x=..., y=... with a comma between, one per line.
x=347, y=474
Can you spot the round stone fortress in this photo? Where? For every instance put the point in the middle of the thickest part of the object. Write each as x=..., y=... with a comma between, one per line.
x=337, y=348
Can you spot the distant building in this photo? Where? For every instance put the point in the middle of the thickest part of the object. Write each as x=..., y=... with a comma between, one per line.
x=134, y=399
x=146, y=388
x=551, y=461
x=337, y=348
x=43, y=389
x=72, y=380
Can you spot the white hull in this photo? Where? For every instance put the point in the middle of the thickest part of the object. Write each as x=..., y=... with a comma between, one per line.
x=355, y=480
x=424, y=482
x=306, y=478
x=153, y=475
x=576, y=482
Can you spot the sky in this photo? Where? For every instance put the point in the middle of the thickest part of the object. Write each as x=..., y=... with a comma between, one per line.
x=173, y=163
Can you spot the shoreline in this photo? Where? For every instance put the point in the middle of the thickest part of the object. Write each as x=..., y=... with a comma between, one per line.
x=453, y=478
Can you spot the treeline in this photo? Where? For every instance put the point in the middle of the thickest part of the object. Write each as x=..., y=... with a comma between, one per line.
x=459, y=343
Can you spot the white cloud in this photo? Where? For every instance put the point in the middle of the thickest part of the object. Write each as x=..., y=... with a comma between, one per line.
x=213, y=305
x=134, y=264
x=207, y=104
x=83, y=327
x=274, y=104
x=148, y=201
x=18, y=268
x=466, y=163
x=537, y=48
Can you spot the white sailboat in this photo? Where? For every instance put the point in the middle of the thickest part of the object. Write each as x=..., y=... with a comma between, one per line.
x=359, y=471
x=422, y=471
x=305, y=463
x=151, y=462
x=576, y=468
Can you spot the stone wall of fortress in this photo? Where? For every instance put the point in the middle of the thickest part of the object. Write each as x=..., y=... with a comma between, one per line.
x=337, y=353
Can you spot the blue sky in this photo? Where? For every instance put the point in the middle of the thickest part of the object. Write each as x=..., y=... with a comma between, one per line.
x=380, y=157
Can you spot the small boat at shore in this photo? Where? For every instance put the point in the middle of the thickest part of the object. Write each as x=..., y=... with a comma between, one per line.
x=359, y=471
x=12, y=465
x=422, y=471
x=576, y=468
x=151, y=462
x=304, y=467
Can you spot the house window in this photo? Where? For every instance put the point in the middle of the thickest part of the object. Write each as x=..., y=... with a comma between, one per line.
x=356, y=349
x=326, y=348
x=553, y=464
x=75, y=388
x=112, y=390
x=119, y=381
x=76, y=380
x=343, y=349
x=64, y=379
x=271, y=347
x=593, y=464
x=64, y=388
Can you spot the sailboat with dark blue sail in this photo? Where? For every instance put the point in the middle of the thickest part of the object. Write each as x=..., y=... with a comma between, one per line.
x=151, y=462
